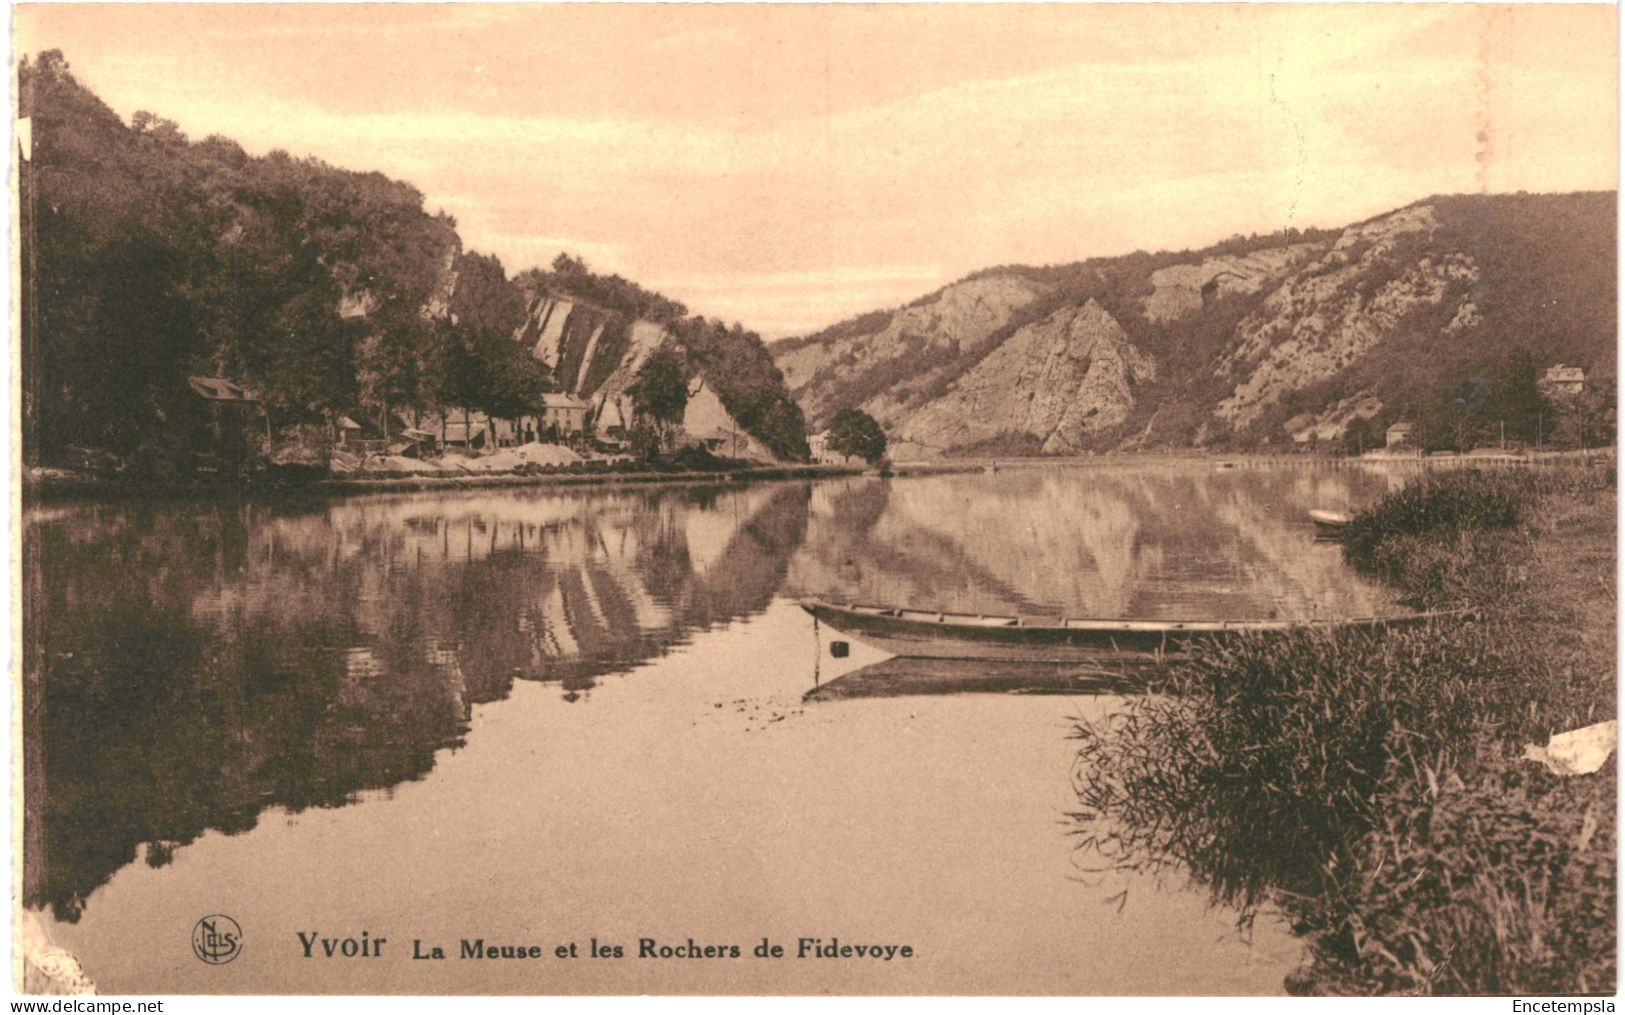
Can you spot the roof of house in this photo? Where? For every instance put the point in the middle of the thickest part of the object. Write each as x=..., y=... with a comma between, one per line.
x=560, y=400
x=1402, y=427
x=218, y=389
x=431, y=421
x=346, y=423
x=1565, y=373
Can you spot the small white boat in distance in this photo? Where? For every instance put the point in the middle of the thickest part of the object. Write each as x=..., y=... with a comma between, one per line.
x=1330, y=524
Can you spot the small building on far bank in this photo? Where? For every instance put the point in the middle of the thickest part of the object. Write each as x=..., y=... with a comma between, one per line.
x=1562, y=382
x=467, y=430
x=821, y=453
x=564, y=412
x=350, y=432
x=228, y=423
x=1400, y=434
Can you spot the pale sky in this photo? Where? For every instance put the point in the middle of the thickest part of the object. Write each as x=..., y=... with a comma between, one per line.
x=789, y=166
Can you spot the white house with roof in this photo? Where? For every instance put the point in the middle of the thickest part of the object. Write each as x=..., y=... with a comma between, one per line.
x=565, y=412
x=822, y=454
x=1562, y=381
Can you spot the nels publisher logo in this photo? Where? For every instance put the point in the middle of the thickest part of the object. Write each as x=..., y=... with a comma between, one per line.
x=217, y=939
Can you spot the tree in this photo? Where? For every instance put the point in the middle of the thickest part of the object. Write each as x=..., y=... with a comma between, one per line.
x=486, y=370
x=1514, y=398
x=1358, y=436
x=483, y=298
x=513, y=381
x=1595, y=411
x=393, y=368
x=855, y=432
x=660, y=393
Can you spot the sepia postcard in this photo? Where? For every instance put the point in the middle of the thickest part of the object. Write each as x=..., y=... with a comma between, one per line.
x=766, y=499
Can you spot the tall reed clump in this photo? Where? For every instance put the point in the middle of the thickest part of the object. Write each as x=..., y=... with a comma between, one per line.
x=1261, y=765
x=1444, y=540
x=1492, y=878
x=1367, y=783
x=1460, y=540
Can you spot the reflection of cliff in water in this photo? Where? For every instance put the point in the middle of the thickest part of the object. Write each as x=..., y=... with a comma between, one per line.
x=1124, y=542
x=189, y=667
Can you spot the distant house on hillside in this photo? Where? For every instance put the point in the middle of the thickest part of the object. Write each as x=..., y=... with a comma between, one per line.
x=1562, y=382
x=1400, y=434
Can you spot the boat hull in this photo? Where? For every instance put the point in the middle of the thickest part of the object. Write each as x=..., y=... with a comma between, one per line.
x=1330, y=524
x=912, y=634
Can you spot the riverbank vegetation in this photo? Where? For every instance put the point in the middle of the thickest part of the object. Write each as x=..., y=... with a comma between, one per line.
x=1369, y=787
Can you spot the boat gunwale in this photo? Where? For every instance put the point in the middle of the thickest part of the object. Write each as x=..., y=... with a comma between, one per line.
x=998, y=622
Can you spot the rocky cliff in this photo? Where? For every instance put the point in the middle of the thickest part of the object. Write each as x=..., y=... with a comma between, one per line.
x=917, y=347
x=1254, y=341
x=595, y=354
x=1073, y=371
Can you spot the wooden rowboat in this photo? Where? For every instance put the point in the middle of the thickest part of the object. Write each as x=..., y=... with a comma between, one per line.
x=936, y=635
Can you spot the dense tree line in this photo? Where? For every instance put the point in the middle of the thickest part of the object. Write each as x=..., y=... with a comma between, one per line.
x=571, y=274
x=327, y=292
x=158, y=258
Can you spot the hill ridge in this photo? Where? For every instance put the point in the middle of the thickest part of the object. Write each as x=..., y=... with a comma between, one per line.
x=1251, y=341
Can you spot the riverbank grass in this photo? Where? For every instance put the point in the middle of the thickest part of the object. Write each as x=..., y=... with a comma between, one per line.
x=1368, y=785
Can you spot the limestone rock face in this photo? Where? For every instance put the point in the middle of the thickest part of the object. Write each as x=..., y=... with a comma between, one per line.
x=1056, y=379
x=1330, y=424
x=915, y=344
x=1338, y=308
x=595, y=354
x=1183, y=289
x=1219, y=347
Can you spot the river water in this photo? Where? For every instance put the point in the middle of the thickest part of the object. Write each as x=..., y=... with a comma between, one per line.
x=541, y=717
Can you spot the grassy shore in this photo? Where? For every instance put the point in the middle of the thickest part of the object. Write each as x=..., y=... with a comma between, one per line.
x=1370, y=787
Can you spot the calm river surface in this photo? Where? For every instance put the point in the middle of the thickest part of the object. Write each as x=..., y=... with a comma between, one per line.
x=547, y=716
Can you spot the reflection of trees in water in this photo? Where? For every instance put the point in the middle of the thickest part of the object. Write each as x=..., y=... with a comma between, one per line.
x=190, y=667
x=1026, y=544
x=1104, y=542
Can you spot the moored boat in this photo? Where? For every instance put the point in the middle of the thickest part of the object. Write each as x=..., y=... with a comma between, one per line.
x=1330, y=524
x=938, y=635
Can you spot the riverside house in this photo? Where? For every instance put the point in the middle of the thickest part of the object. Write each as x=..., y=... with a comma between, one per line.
x=822, y=454
x=226, y=428
x=564, y=413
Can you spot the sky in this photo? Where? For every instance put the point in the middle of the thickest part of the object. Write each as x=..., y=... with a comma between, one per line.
x=790, y=166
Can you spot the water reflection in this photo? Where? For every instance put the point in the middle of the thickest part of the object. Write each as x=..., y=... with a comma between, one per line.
x=1142, y=542
x=191, y=666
